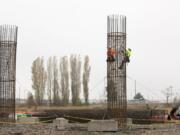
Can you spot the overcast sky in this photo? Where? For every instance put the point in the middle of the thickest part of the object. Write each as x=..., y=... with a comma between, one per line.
x=63, y=27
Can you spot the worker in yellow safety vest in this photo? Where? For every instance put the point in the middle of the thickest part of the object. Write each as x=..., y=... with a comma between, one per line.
x=127, y=55
x=126, y=59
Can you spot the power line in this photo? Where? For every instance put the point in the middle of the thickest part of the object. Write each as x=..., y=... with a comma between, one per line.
x=132, y=79
x=150, y=91
x=97, y=84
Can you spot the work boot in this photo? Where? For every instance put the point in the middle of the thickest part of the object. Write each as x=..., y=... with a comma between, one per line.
x=121, y=66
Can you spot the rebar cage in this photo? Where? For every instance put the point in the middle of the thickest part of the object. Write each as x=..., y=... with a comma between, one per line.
x=8, y=42
x=116, y=76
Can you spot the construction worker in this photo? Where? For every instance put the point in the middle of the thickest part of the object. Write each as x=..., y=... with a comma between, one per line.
x=126, y=59
x=127, y=55
x=111, y=55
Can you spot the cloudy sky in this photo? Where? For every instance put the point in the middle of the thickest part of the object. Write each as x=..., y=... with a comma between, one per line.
x=64, y=27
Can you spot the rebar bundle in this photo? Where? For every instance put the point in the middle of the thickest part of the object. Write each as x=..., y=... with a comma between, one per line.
x=116, y=70
x=8, y=42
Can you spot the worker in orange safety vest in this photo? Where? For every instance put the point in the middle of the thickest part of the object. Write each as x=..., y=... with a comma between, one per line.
x=111, y=55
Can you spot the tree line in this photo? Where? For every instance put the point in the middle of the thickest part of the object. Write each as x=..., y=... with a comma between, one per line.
x=59, y=78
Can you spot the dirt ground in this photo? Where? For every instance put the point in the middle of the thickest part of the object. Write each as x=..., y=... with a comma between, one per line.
x=143, y=106
x=92, y=111
x=81, y=129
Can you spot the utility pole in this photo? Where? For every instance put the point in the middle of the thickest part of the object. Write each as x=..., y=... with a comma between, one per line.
x=171, y=93
x=19, y=96
x=167, y=93
x=135, y=87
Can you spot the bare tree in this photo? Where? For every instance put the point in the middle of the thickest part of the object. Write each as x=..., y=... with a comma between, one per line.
x=49, y=79
x=64, y=73
x=56, y=89
x=75, y=78
x=86, y=74
x=30, y=100
x=39, y=77
x=78, y=84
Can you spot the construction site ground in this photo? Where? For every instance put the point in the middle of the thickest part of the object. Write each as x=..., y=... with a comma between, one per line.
x=93, y=111
x=88, y=112
x=81, y=129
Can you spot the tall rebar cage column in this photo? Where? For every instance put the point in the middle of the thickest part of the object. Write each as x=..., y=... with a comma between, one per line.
x=8, y=42
x=116, y=76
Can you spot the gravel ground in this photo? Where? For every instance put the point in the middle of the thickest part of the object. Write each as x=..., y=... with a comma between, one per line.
x=81, y=129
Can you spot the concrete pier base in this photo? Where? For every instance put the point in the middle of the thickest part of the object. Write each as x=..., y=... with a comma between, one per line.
x=103, y=125
x=60, y=123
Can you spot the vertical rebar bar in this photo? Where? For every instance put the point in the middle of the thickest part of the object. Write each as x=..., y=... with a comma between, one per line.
x=116, y=76
x=8, y=42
